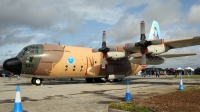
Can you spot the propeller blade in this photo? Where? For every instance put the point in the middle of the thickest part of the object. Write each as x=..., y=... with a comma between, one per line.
x=103, y=64
x=103, y=61
x=104, y=39
x=142, y=27
x=142, y=31
x=143, y=60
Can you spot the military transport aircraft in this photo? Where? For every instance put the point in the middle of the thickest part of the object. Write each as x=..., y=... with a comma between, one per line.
x=47, y=61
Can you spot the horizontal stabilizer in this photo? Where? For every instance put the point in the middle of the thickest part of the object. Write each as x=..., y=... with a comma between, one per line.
x=177, y=55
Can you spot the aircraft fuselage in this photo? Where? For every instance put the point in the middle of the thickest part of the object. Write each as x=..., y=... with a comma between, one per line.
x=57, y=61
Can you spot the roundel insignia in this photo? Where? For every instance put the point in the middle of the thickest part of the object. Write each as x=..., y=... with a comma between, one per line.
x=70, y=60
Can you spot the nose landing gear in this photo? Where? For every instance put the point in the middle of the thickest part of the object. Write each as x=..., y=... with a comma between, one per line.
x=36, y=81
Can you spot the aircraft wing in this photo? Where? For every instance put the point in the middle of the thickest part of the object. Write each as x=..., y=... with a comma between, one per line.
x=133, y=49
x=176, y=55
x=173, y=43
x=183, y=42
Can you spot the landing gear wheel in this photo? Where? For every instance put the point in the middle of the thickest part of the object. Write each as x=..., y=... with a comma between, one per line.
x=38, y=81
x=33, y=81
x=117, y=80
x=120, y=80
x=89, y=80
x=97, y=79
x=106, y=78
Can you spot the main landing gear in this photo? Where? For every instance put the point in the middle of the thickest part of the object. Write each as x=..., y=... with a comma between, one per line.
x=90, y=80
x=36, y=81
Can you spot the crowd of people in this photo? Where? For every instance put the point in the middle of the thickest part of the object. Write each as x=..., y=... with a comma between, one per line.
x=148, y=73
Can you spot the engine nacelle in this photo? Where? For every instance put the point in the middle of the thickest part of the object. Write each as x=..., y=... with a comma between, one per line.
x=116, y=55
x=157, y=49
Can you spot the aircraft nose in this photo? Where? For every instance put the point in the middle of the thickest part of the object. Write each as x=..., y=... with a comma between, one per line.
x=13, y=65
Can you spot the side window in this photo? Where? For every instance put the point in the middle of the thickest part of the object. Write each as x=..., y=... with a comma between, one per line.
x=25, y=50
x=29, y=59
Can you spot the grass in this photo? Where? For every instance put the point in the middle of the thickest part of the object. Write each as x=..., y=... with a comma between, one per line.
x=129, y=106
x=187, y=90
x=190, y=89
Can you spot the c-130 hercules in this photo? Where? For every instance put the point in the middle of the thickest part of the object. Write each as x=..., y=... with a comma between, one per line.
x=46, y=61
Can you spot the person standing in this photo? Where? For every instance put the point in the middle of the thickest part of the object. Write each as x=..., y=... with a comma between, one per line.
x=3, y=74
x=165, y=73
x=158, y=72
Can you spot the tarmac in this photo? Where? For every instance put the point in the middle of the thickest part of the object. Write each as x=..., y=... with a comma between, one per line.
x=78, y=96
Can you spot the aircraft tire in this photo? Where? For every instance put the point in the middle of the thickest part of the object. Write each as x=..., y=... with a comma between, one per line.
x=97, y=79
x=38, y=81
x=120, y=80
x=33, y=81
x=89, y=80
x=117, y=80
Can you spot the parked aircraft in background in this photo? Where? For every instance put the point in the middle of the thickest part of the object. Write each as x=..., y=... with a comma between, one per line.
x=47, y=61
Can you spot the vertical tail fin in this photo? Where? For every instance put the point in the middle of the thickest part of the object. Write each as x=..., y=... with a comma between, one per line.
x=155, y=31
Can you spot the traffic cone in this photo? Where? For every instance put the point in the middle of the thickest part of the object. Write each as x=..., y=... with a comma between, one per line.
x=18, y=104
x=128, y=94
x=181, y=84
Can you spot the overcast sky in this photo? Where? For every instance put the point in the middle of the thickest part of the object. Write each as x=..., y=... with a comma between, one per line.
x=81, y=22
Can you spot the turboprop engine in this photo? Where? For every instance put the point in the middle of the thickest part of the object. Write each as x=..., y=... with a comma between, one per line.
x=157, y=49
x=115, y=55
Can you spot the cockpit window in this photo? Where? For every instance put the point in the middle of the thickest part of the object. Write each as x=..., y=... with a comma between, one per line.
x=29, y=59
x=24, y=50
x=32, y=51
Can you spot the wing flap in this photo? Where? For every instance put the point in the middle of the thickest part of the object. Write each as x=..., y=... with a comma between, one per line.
x=177, y=55
x=183, y=42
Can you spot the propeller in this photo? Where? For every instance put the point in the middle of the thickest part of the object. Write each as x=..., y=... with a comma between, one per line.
x=104, y=49
x=143, y=43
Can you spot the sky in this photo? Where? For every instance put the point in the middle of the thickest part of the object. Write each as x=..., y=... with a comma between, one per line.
x=81, y=23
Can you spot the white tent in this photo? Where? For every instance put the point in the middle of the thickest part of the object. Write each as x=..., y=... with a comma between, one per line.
x=189, y=68
x=179, y=68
